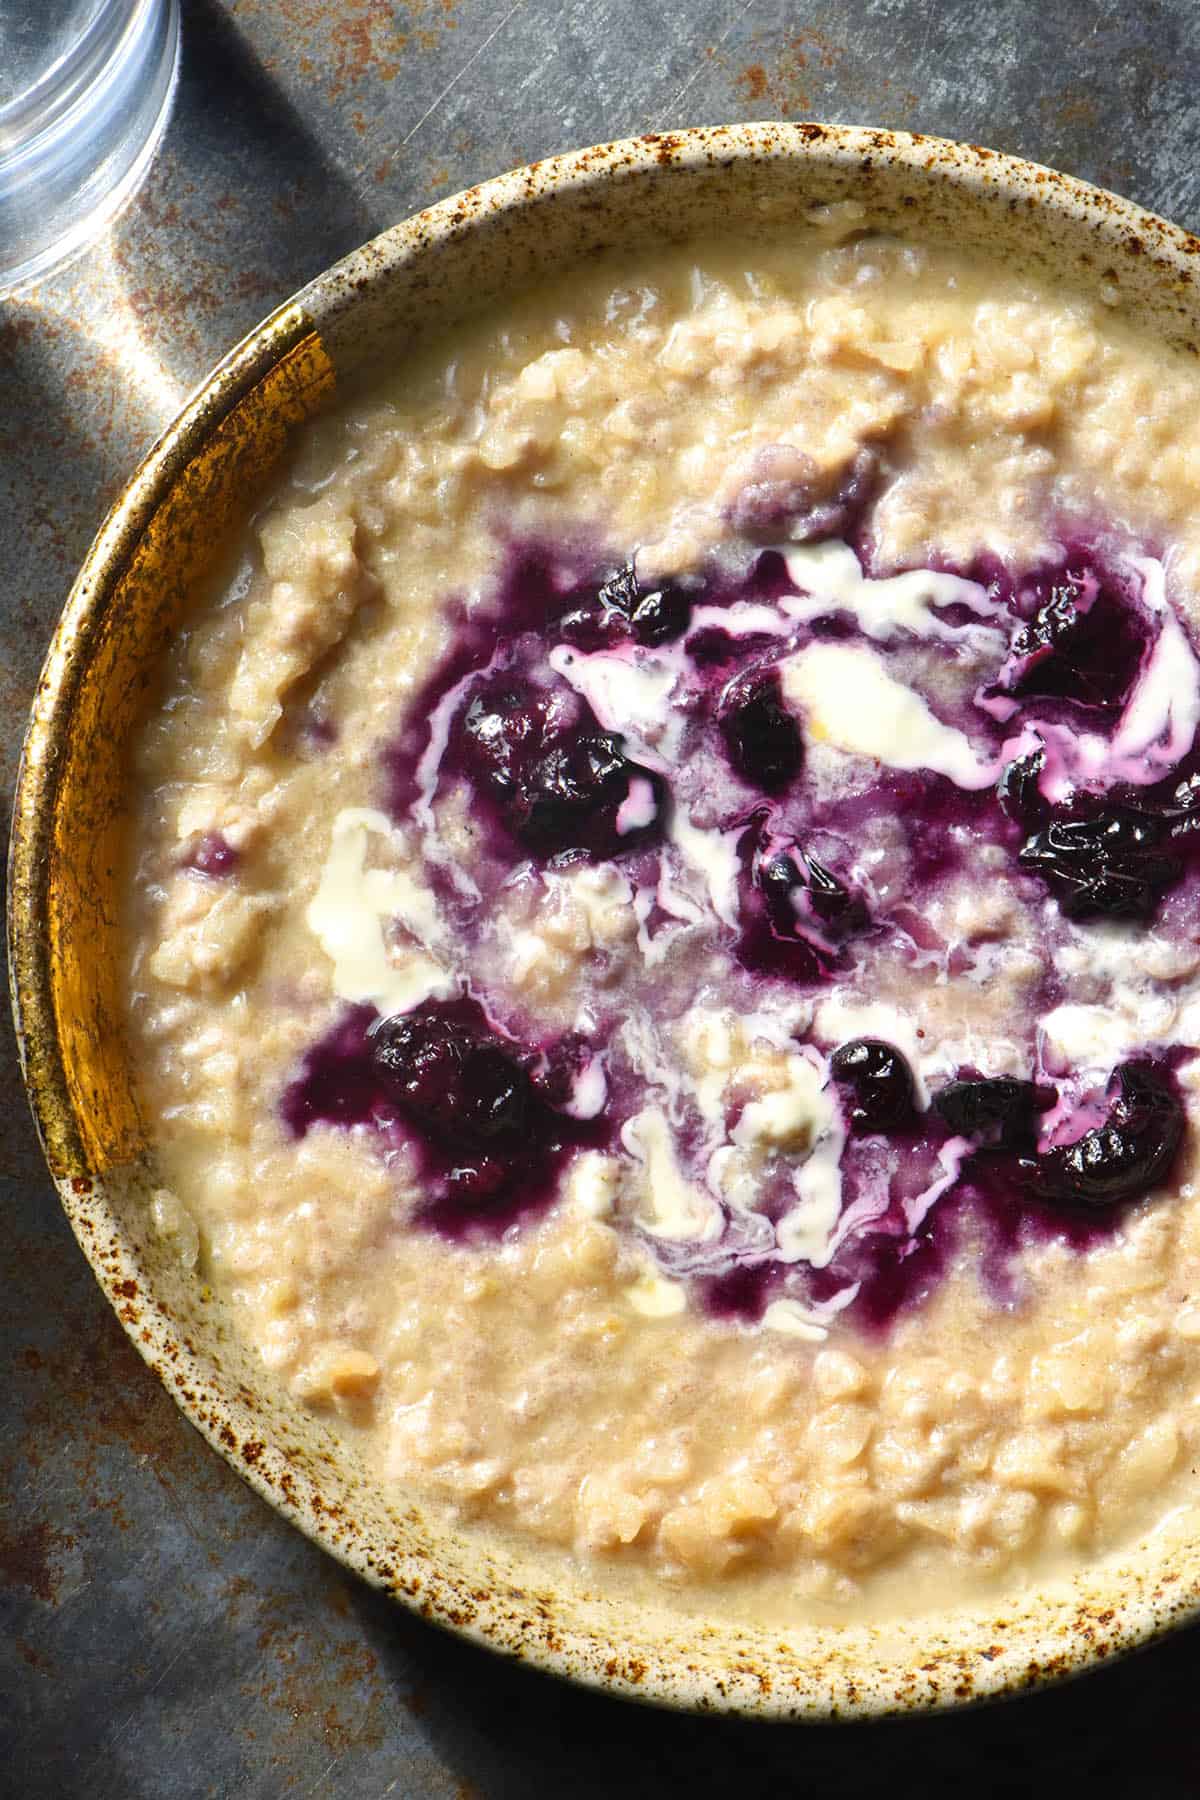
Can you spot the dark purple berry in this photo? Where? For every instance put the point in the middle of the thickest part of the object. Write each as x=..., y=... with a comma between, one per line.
x=762, y=739
x=620, y=592
x=1084, y=643
x=656, y=614
x=213, y=856
x=794, y=911
x=794, y=884
x=1130, y=1153
x=560, y=783
x=841, y=911
x=452, y=1084
x=571, y=798
x=503, y=728
x=998, y=1109
x=622, y=609
x=1018, y=791
x=1106, y=866
x=878, y=1082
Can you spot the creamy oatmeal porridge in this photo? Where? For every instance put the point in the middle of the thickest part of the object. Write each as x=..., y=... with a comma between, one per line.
x=664, y=963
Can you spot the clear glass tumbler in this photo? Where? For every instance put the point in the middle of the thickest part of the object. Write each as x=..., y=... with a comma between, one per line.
x=85, y=88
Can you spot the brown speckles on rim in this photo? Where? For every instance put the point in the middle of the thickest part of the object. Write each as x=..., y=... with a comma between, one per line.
x=485, y=241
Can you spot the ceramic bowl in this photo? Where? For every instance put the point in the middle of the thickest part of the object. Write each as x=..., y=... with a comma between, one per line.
x=156, y=545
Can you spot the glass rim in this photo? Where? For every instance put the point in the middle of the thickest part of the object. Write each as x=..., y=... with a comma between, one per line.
x=53, y=102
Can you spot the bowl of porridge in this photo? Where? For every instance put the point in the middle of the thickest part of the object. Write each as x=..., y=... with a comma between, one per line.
x=603, y=918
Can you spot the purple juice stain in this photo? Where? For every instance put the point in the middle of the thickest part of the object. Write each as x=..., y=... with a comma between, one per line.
x=483, y=1113
x=337, y=1083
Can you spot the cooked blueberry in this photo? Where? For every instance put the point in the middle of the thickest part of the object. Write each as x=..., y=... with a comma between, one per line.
x=997, y=1108
x=661, y=615
x=841, y=911
x=1084, y=643
x=761, y=737
x=620, y=592
x=559, y=781
x=1109, y=865
x=879, y=1083
x=449, y=1082
x=1019, y=793
x=420, y=1057
x=778, y=875
x=622, y=608
x=794, y=884
x=1130, y=1153
x=655, y=614
x=572, y=797
x=502, y=727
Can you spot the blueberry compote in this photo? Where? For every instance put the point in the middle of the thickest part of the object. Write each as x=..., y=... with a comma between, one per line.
x=1084, y=641
x=488, y=1117
x=759, y=861
x=557, y=781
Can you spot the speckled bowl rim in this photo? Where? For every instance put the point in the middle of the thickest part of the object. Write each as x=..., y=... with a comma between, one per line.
x=1132, y=1604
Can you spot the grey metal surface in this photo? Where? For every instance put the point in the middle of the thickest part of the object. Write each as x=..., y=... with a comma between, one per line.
x=161, y=1632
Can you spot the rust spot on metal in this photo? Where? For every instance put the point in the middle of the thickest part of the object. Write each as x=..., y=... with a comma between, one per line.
x=29, y=1559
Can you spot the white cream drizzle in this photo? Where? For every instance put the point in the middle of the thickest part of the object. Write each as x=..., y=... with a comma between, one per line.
x=629, y=690
x=350, y=908
x=851, y=702
x=713, y=856
x=807, y=1232
x=831, y=573
x=671, y=1206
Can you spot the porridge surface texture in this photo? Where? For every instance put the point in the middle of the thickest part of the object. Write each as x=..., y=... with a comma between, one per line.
x=662, y=955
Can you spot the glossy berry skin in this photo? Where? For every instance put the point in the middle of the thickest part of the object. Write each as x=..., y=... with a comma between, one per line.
x=997, y=1108
x=656, y=614
x=841, y=911
x=504, y=727
x=1129, y=1154
x=1107, y=866
x=788, y=876
x=213, y=856
x=461, y=1088
x=762, y=739
x=878, y=1085
x=1019, y=794
x=559, y=782
x=1084, y=643
x=571, y=797
x=621, y=609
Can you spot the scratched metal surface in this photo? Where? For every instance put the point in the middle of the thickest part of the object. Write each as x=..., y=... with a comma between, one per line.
x=162, y=1634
